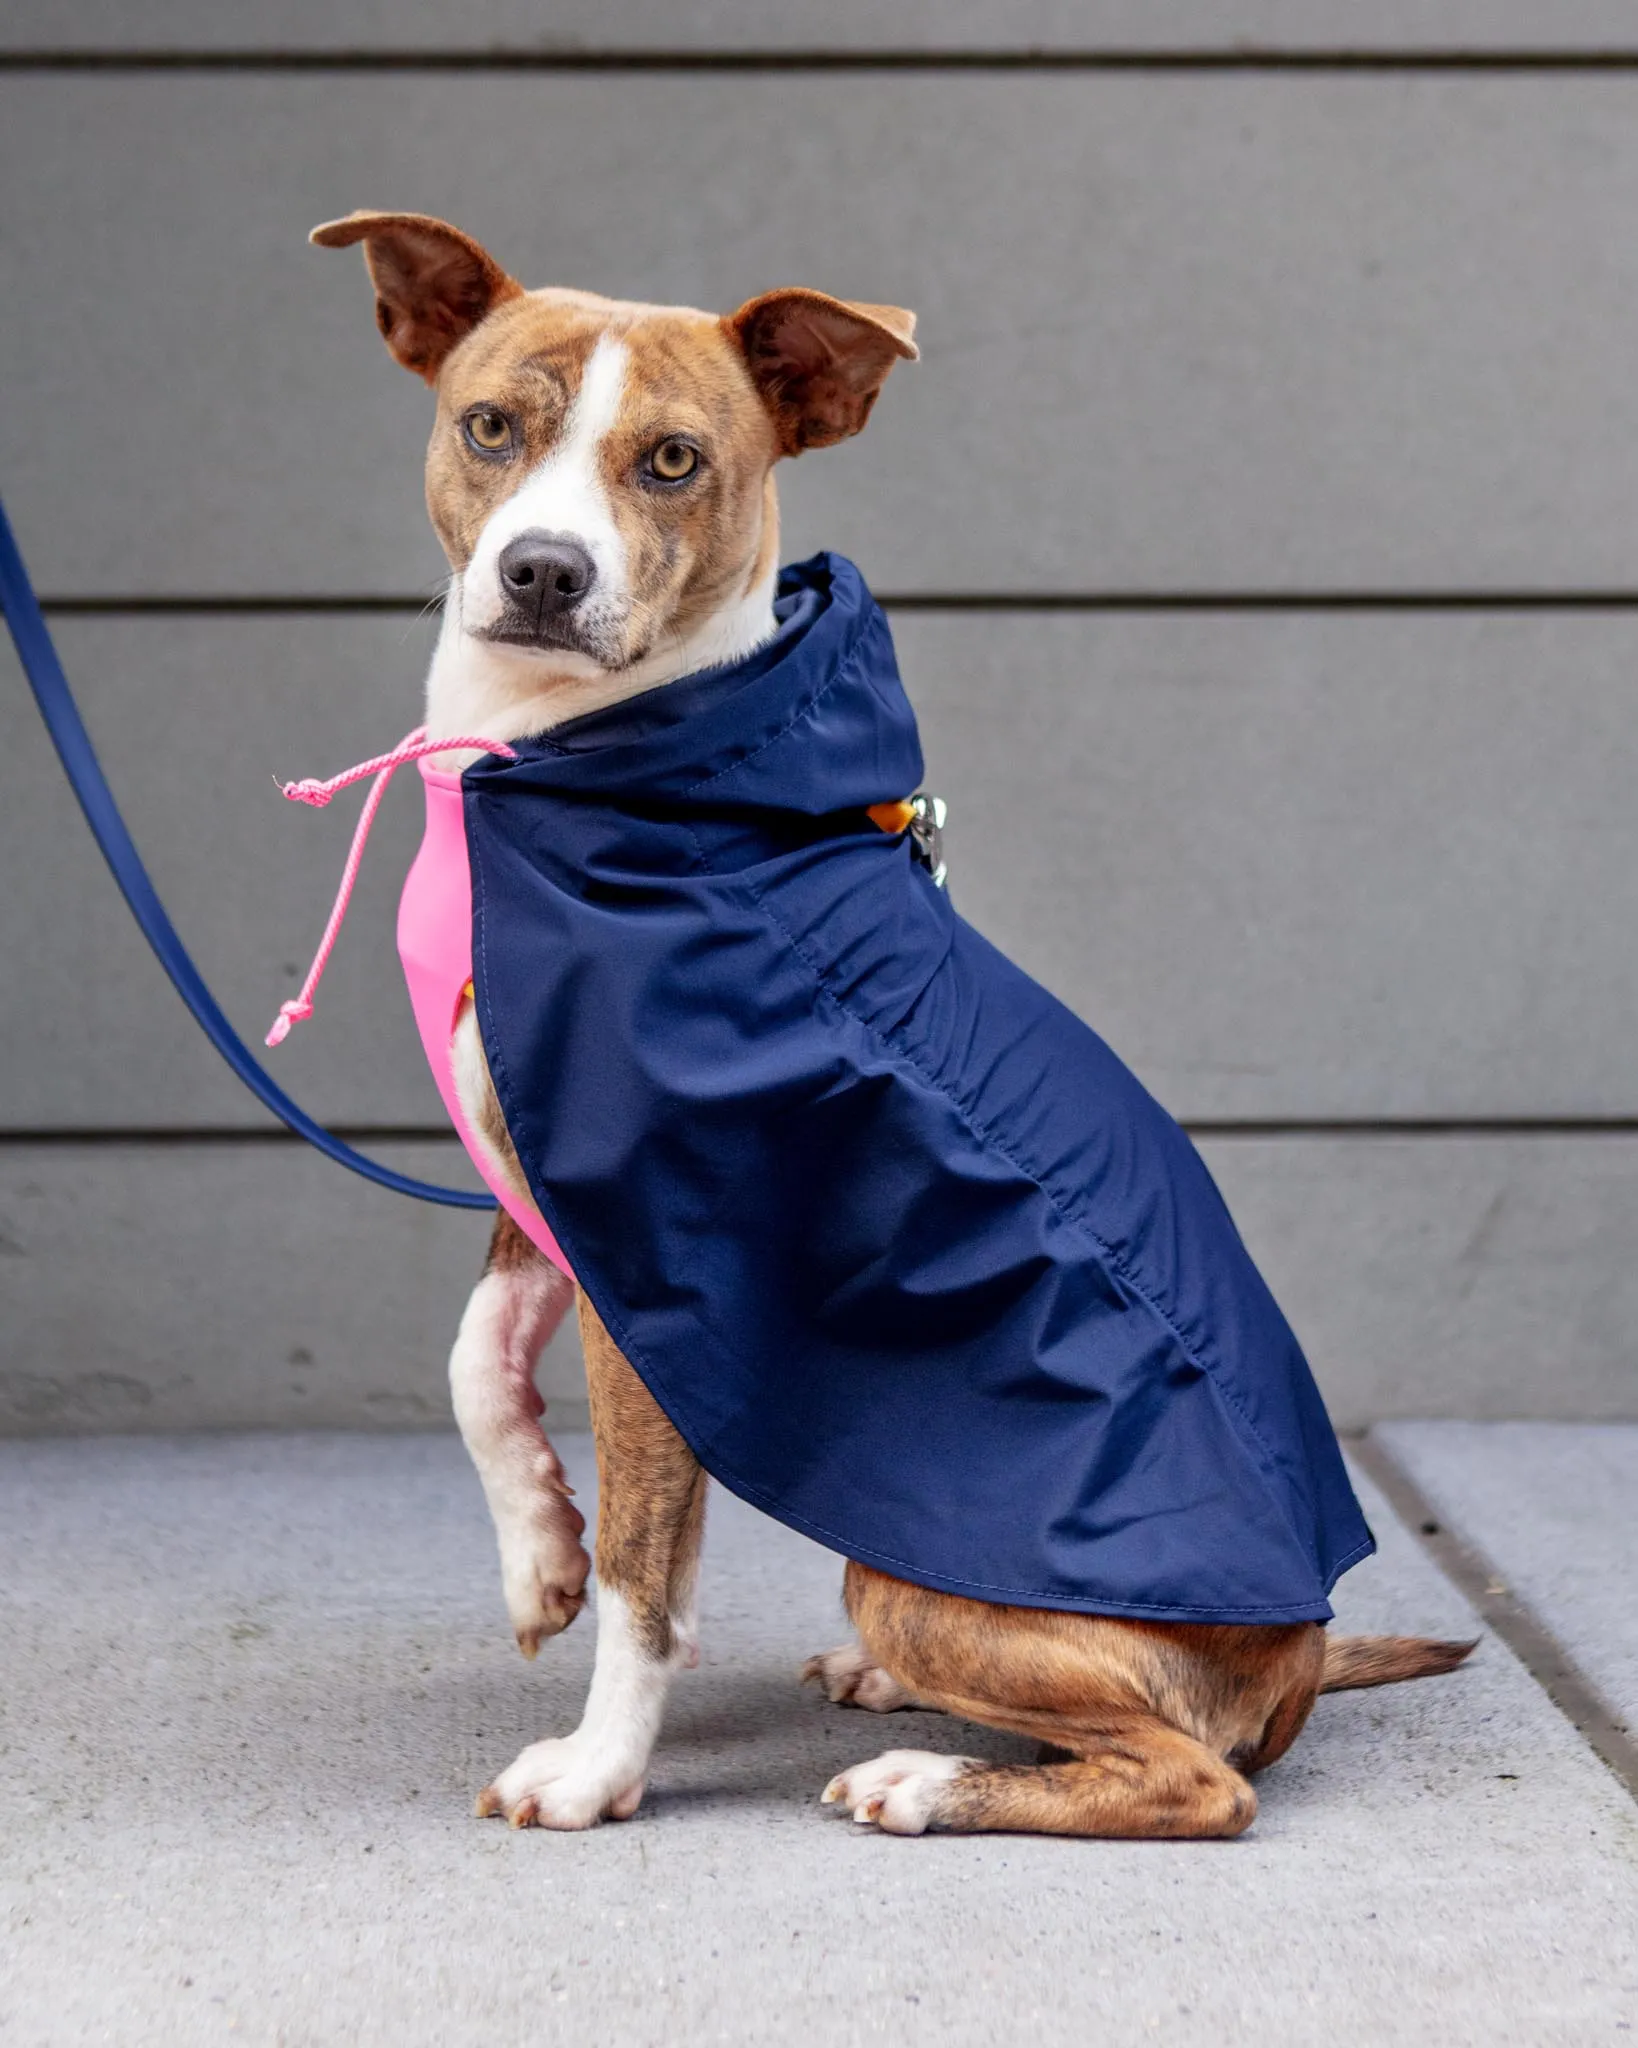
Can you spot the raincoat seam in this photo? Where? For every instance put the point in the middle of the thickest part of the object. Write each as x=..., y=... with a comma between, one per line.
x=987, y=1137
x=805, y=711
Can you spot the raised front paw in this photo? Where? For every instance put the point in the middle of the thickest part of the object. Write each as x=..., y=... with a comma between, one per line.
x=569, y=1784
x=544, y=1568
x=851, y=1678
x=900, y=1792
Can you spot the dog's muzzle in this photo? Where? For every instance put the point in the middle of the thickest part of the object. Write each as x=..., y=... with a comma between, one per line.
x=545, y=580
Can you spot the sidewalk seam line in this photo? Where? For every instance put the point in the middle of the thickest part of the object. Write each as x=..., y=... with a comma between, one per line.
x=1501, y=1610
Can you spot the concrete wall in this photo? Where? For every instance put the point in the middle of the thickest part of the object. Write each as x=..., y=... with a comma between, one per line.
x=1259, y=532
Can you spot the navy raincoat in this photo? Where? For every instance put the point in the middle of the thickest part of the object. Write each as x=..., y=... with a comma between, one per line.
x=909, y=1258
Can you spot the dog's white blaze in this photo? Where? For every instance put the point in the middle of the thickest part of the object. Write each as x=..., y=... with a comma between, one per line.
x=563, y=495
x=479, y=685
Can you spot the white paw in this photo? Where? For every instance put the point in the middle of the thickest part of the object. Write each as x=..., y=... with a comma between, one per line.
x=900, y=1791
x=851, y=1678
x=544, y=1565
x=569, y=1784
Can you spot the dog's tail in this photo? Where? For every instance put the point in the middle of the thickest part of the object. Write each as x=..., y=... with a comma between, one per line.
x=1352, y=1661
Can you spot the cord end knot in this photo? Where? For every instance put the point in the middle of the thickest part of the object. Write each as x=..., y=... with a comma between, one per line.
x=296, y=1012
x=308, y=791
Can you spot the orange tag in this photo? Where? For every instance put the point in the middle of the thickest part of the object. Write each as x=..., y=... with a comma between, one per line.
x=893, y=817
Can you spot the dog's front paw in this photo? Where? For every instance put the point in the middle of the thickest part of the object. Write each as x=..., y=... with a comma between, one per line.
x=544, y=1568
x=568, y=1784
x=901, y=1791
x=850, y=1678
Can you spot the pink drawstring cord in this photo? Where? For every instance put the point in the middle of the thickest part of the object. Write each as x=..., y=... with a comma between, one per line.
x=412, y=747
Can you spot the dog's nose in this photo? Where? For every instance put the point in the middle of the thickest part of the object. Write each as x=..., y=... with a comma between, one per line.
x=545, y=574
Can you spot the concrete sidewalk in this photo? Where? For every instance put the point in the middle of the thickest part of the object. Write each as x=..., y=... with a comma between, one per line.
x=1552, y=1507
x=250, y=1686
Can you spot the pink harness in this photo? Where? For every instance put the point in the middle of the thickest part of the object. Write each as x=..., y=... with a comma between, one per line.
x=434, y=932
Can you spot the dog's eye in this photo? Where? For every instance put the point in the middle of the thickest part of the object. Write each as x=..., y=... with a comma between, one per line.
x=489, y=432
x=672, y=460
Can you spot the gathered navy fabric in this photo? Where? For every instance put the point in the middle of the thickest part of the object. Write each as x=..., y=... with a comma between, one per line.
x=907, y=1255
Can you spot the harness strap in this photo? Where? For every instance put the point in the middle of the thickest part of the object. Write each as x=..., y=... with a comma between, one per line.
x=414, y=746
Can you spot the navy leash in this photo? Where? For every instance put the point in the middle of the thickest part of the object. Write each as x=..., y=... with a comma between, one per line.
x=73, y=743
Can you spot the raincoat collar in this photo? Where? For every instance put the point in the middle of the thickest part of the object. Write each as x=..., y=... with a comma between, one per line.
x=814, y=721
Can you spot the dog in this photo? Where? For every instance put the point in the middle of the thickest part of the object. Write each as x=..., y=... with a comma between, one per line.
x=601, y=475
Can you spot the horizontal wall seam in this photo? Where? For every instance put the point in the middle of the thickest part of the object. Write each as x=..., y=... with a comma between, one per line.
x=1236, y=58
x=1207, y=1129
x=989, y=602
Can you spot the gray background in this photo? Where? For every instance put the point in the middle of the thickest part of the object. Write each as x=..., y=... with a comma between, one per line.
x=1259, y=530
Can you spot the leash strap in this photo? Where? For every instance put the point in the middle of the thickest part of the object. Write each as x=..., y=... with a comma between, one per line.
x=73, y=743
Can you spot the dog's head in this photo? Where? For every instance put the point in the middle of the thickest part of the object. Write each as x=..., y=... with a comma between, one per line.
x=600, y=471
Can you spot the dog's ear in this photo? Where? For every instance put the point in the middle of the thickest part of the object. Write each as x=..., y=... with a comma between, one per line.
x=819, y=362
x=432, y=283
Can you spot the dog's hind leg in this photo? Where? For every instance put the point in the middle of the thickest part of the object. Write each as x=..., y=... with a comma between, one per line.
x=651, y=1515
x=850, y=1677
x=1136, y=1777
x=512, y=1313
x=1151, y=1725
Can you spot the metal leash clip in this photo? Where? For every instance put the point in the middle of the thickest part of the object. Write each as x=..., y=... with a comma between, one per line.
x=926, y=830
